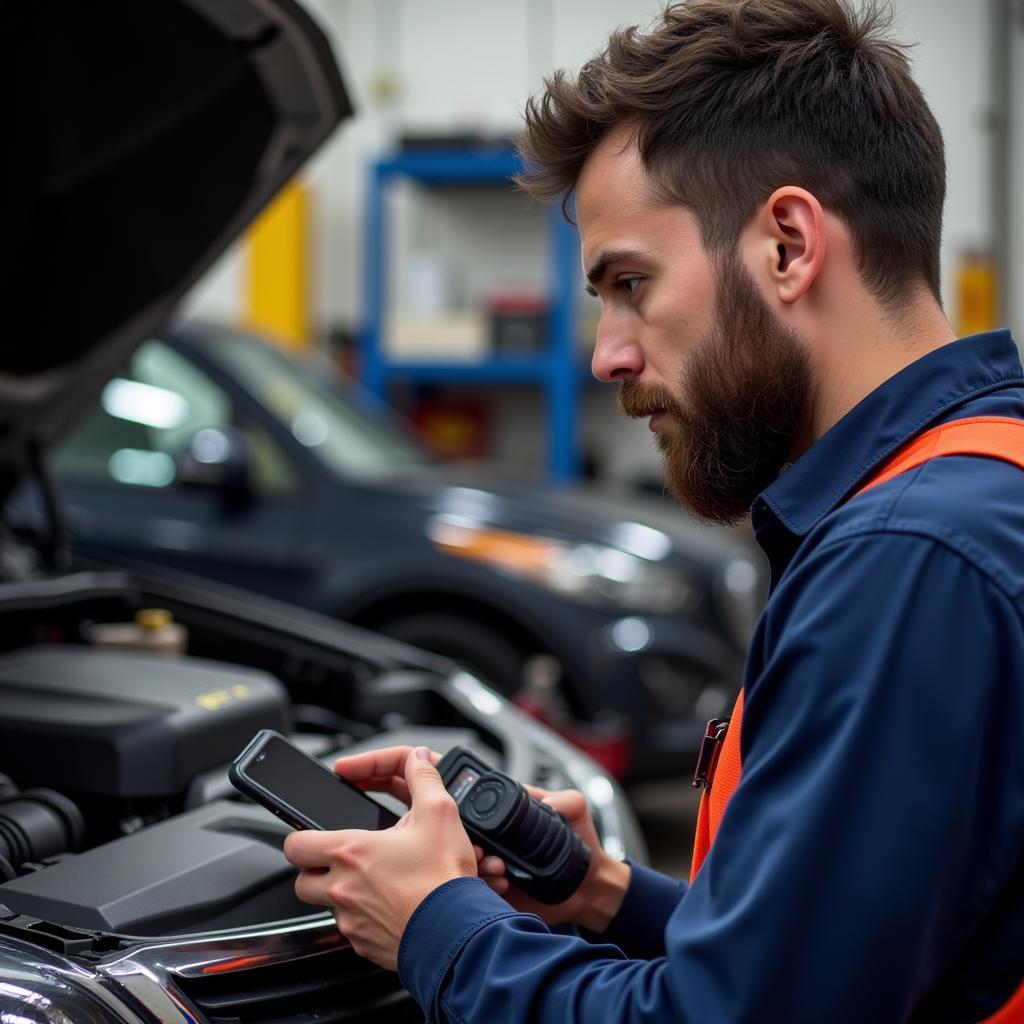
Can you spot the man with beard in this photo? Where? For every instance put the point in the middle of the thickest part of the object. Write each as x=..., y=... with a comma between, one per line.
x=759, y=189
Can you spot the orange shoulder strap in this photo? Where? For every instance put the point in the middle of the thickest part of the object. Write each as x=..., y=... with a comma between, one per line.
x=994, y=436
x=1012, y=1012
x=723, y=778
x=991, y=436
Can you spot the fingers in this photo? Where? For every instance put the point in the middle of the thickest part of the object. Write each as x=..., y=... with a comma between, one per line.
x=392, y=784
x=309, y=848
x=492, y=870
x=568, y=802
x=425, y=786
x=312, y=887
x=373, y=764
x=498, y=883
x=492, y=866
x=381, y=771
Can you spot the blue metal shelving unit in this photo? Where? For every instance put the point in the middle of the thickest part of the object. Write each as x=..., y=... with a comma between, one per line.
x=555, y=369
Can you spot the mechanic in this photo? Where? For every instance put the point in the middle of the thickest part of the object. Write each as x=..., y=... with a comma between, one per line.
x=759, y=189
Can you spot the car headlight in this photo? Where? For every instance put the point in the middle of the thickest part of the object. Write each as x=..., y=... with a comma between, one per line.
x=53, y=996
x=594, y=574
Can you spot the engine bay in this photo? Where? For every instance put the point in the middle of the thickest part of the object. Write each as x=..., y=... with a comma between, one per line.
x=116, y=813
x=128, y=724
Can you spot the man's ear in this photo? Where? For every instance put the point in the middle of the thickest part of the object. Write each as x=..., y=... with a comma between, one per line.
x=791, y=224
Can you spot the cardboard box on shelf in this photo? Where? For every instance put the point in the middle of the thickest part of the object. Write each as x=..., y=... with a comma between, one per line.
x=456, y=336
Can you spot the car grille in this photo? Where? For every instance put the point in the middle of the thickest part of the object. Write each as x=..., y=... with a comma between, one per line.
x=325, y=988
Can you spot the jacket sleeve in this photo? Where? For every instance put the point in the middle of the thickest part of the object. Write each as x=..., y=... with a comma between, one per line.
x=862, y=846
x=638, y=929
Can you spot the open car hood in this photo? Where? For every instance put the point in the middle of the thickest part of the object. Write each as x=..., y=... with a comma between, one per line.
x=140, y=139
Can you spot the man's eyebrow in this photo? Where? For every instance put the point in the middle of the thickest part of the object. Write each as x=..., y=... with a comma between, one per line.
x=595, y=272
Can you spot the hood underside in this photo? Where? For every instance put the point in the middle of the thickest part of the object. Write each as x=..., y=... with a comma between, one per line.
x=141, y=138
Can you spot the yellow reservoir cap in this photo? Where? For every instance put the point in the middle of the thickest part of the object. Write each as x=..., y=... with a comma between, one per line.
x=153, y=618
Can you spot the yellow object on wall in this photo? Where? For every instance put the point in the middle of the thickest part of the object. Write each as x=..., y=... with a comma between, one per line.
x=278, y=269
x=976, y=297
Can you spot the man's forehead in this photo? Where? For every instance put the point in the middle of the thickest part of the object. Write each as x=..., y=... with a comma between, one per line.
x=618, y=211
x=612, y=192
x=613, y=174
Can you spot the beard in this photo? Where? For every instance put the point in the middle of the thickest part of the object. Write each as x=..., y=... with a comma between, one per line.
x=740, y=408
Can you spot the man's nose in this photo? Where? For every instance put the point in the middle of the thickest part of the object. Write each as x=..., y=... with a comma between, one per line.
x=617, y=356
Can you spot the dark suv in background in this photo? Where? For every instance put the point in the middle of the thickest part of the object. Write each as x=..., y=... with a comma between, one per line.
x=213, y=452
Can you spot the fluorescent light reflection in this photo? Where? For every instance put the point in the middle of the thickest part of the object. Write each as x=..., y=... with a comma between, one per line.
x=631, y=635
x=210, y=446
x=643, y=541
x=469, y=501
x=310, y=428
x=598, y=790
x=144, y=403
x=740, y=577
x=142, y=468
x=486, y=702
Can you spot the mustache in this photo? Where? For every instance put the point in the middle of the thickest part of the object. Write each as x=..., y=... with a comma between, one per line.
x=640, y=400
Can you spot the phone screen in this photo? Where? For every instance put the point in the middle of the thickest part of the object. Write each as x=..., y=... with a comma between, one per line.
x=313, y=789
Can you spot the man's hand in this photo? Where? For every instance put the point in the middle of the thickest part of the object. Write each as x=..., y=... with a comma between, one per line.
x=597, y=900
x=373, y=881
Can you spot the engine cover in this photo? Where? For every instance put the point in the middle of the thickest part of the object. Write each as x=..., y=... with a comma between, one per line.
x=126, y=723
x=219, y=866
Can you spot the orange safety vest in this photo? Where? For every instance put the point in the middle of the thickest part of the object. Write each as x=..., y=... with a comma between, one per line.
x=720, y=758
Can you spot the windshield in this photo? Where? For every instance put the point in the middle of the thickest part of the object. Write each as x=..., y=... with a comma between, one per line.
x=310, y=397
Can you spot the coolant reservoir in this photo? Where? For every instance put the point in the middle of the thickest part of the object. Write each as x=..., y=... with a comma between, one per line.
x=154, y=630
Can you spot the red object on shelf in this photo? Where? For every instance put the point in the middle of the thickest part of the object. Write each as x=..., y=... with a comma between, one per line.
x=452, y=429
x=516, y=303
x=519, y=320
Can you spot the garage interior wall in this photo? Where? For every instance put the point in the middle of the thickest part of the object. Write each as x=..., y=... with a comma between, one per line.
x=448, y=65
x=1013, y=217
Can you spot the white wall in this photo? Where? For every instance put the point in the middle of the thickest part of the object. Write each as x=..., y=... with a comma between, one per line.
x=951, y=63
x=472, y=63
x=1014, y=285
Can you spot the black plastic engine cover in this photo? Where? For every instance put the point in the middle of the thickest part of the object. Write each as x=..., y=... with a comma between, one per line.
x=125, y=723
x=219, y=866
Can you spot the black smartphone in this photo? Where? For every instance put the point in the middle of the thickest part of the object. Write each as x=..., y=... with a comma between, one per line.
x=300, y=790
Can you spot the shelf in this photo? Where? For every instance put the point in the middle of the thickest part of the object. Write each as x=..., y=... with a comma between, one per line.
x=499, y=370
x=509, y=369
x=452, y=167
x=555, y=370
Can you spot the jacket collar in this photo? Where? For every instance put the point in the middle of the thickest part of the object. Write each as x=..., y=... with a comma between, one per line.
x=880, y=424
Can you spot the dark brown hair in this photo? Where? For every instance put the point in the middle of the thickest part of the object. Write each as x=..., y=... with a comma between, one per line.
x=731, y=99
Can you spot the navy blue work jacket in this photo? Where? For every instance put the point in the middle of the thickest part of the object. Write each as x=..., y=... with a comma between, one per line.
x=869, y=865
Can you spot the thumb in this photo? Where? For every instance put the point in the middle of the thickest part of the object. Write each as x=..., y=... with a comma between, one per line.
x=569, y=802
x=423, y=780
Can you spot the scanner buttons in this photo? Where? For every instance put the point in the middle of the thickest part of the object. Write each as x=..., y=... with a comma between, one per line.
x=485, y=799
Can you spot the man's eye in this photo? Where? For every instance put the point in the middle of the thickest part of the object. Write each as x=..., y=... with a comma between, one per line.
x=628, y=285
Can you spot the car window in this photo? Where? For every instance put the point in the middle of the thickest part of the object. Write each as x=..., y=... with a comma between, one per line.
x=308, y=398
x=271, y=471
x=149, y=414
